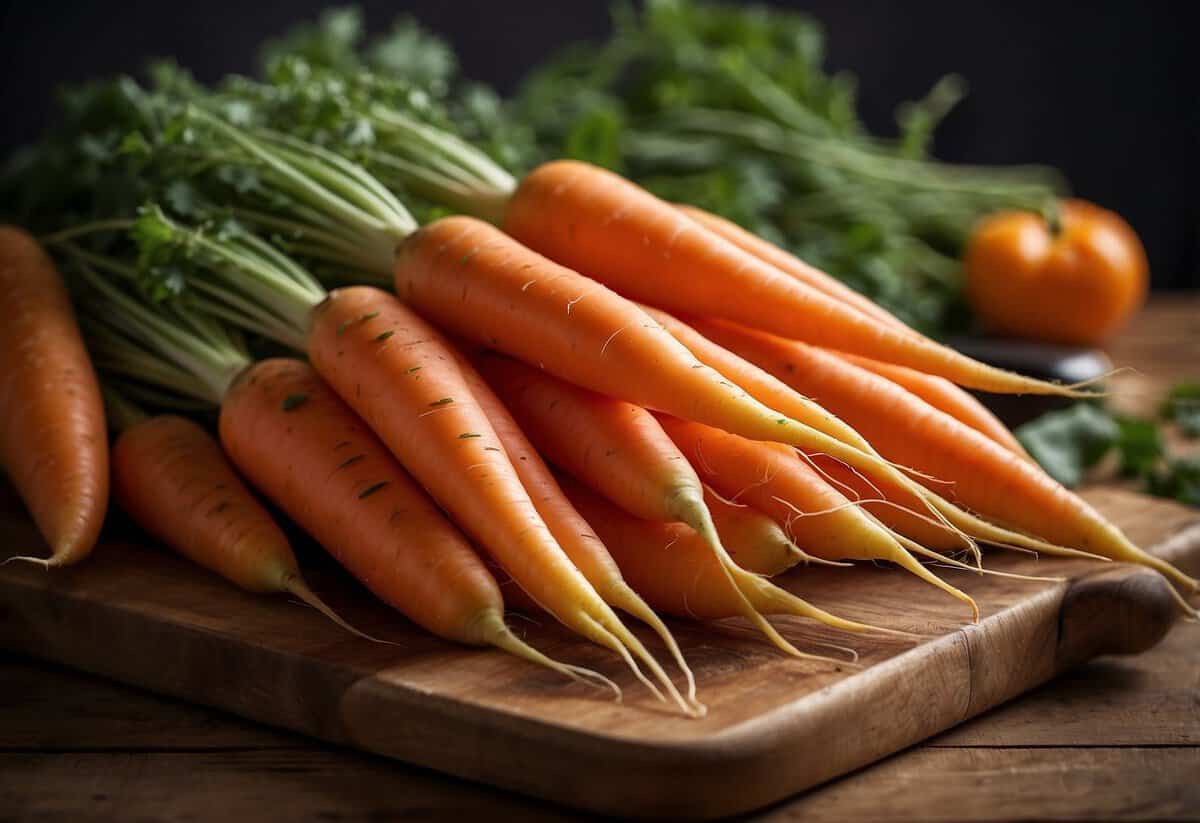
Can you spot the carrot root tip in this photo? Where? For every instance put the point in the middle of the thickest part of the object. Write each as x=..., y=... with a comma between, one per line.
x=626, y=599
x=44, y=562
x=593, y=679
x=295, y=586
x=1189, y=611
x=500, y=636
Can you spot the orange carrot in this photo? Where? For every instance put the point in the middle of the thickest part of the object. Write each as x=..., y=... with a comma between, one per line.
x=944, y=396
x=477, y=282
x=300, y=445
x=753, y=540
x=305, y=449
x=472, y=279
x=53, y=443
x=618, y=449
x=172, y=478
x=770, y=390
x=773, y=480
x=791, y=265
x=987, y=477
x=894, y=506
x=600, y=224
x=576, y=537
x=670, y=565
x=410, y=386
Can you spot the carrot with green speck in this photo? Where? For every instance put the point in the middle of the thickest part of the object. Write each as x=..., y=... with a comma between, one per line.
x=620, y=450
x=608, y=228
x=578, y=539
x=172, y=478
x=985, y=476
x=427, y=420
x=367, y=512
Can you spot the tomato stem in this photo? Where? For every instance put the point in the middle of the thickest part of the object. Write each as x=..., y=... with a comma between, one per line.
x=1052, y=214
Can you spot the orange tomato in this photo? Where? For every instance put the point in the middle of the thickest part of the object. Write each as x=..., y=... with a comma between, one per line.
x=1076, y=283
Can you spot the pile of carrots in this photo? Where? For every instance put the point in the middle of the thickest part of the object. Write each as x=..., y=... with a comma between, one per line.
x=596, y=405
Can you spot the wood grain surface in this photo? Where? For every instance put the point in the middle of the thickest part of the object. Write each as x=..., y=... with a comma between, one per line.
x=143, y=616
x=1113, y=739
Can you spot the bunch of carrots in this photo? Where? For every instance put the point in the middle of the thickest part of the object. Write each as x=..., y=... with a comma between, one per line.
x=567, y=395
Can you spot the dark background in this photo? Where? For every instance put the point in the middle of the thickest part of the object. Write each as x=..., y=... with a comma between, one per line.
x=1107, y=91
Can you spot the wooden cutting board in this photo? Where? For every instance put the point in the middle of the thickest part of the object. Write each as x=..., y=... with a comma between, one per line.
x=775, y=725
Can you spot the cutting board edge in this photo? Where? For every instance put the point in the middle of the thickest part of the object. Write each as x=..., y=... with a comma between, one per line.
x=1181, y=544
x=735, y=770
x=768, y=758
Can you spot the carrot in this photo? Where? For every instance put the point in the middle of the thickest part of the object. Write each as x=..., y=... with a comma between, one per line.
x=894, y=506
x=253, y=285
x=673, y=568
x=53, y=442
x=472, y=279
x=479, y=283
x=618, y=449
x=793, y=266
x=600, y=224
x=987, y=477
x=769, y=389
x=515, y=598
x=408, y=384
x=172, y=478
x=773, y=480
x=576, y=537
x=306, y=450
x=301, y=446
x=753, y=540
x=944, y=396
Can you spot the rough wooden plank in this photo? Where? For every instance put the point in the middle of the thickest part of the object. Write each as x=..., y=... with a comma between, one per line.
x=312, y=784
x=980, y=785
x=51, y=708
x=264, y=786
x=469, y=714
x=139, y=615
x=1163, y=343
x=1151, y=699
x=1147, y=700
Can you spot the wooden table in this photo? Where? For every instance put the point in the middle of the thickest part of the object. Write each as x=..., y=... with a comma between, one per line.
x=1118, y=738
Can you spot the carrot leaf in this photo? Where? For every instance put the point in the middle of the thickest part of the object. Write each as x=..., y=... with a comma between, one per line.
x=1071, y=442
x=1182, y=406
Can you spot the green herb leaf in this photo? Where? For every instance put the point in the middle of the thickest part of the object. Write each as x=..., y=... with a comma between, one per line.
x=1182, y=406
x=1067, y=443
x=1139, y=444
x=729, y=107
x=1178, y=480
